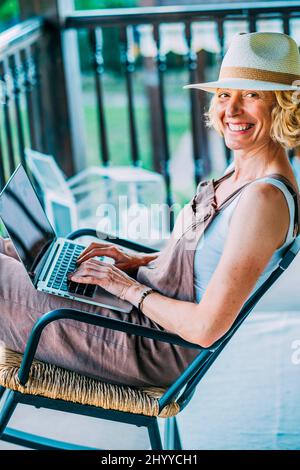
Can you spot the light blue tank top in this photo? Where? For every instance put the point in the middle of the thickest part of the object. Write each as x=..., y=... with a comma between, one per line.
x=296, y=168
x=210, y=246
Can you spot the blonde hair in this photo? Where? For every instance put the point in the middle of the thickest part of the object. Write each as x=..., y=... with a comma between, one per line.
x=285, y=116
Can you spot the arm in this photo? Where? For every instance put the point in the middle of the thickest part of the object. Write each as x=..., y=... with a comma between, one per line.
x=258, y=227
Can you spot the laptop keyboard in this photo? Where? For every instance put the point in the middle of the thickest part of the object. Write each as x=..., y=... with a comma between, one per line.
x=66, y=264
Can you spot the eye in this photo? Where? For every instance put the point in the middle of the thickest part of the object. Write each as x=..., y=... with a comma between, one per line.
x=223, y=93
x=252, y=93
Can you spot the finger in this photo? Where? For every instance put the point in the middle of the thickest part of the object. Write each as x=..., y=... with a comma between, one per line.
x=87, y=276
x=84, y=279
x=90, y=249
x=89, y=255
x=103, y=265
x=109, y=251
x=94, y=246
x=95, y=262
x=92, y=266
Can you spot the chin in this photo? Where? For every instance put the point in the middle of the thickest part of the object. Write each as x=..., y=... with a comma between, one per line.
x=234, y=145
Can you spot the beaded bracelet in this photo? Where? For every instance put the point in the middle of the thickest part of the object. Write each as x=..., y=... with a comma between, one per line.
x=144, y=294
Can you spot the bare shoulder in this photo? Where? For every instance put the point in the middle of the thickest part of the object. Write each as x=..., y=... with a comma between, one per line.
x=263, y=209
x=264, y=190
x=264, y=197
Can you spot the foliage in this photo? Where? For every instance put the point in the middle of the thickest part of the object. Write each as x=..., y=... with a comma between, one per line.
x=9, y=12
x=9, y=9
x=96, y=4
x=111, y=52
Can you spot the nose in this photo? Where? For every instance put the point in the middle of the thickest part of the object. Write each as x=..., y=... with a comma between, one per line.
x=233, y=106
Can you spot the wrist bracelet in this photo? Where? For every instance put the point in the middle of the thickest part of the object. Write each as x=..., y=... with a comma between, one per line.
x=144, y=294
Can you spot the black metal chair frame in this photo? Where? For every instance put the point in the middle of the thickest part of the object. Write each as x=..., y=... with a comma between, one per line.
x=181, y=391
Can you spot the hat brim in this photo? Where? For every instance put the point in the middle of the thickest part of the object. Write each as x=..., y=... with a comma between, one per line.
x=242, y=84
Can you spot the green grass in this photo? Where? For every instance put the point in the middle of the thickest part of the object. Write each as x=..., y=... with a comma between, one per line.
x=119, y=138
x=3, y=232
x=15, y=142
x=118, y=134
x=117, y=118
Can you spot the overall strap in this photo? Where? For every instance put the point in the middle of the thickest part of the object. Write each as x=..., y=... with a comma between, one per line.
x=229, y=199
x=224, y=177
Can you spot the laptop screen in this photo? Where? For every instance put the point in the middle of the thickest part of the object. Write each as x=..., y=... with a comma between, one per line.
x=24, y=219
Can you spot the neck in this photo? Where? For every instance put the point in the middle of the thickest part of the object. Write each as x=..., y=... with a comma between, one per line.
x=250, y=165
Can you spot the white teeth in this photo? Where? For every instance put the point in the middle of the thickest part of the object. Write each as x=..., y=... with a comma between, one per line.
x=234, y=127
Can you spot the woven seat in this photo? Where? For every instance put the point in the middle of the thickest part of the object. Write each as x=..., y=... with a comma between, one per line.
x=50, y=381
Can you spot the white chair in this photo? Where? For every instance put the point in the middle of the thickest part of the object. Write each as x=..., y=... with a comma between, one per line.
x=126, y=201
x=55, y=193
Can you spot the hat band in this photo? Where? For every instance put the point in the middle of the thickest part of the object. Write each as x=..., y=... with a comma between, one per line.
x=257, y=74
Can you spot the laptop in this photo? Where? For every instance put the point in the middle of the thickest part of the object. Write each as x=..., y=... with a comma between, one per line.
x=47, y=258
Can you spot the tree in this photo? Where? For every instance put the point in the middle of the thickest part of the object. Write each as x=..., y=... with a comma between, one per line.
x=96, y=4
x=9, y=12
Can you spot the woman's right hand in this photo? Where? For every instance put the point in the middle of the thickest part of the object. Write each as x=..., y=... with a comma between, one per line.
x=128, y=262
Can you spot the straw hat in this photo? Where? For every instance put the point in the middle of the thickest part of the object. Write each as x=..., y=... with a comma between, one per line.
x=258, y=61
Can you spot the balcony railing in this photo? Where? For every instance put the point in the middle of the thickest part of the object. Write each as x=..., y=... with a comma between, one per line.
x=19, y=78
x=40, y=76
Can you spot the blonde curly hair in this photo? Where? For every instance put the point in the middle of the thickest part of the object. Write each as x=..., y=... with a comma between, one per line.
x=285, y=115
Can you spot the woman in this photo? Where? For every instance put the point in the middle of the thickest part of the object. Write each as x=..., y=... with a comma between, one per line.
x=224, y=244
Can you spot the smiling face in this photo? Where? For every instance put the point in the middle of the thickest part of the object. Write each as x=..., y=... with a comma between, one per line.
x=244, y=117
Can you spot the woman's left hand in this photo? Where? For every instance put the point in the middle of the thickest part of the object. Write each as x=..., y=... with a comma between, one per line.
x=107, y=276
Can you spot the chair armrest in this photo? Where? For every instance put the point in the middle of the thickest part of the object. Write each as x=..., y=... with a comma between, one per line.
x=290, y=254
x=79, y=177
x=92, y=319
x=82, y=232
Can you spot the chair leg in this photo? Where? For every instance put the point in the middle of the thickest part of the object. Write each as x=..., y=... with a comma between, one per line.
x=172, y=439
x=154, y=436
x=7, y=409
